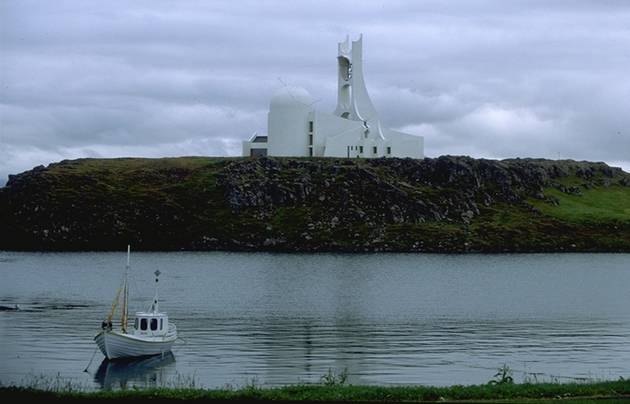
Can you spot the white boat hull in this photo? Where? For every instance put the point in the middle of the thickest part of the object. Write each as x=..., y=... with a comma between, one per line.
x=115, y=344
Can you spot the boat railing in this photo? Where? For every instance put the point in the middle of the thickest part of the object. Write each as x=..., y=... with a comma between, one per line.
x=172, y=331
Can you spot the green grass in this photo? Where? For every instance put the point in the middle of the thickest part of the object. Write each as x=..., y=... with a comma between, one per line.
x=176, y=203
x=569, y=392
x=600, y=204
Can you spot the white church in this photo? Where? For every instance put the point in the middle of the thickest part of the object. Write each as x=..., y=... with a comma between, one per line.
x=296, y=129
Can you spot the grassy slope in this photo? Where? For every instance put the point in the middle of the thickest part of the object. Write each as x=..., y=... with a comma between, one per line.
x=601, y=204
x=507, y=392
x=182, y=187
x=182, y=196
x=596, y=220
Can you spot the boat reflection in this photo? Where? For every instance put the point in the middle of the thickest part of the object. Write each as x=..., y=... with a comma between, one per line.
x=152, y=371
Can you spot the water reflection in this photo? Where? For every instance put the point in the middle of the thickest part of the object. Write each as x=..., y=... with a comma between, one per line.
x=152, y=371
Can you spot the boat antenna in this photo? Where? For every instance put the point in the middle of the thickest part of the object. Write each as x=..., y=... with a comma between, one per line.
x=154, y=306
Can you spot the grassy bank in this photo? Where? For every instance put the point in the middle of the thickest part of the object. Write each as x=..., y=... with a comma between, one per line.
x=610, y=391
x=448, y=204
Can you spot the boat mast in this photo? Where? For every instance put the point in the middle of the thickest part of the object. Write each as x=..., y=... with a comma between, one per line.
x=125, y=308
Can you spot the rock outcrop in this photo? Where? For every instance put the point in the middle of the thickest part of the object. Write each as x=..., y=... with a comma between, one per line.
x=446, y=204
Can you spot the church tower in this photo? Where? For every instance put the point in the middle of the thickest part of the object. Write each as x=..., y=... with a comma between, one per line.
x=353, y=101
x=354, y=130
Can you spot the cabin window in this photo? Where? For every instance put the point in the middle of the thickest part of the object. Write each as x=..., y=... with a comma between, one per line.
x=143, y=324
x=161, y=324
x=135, y=324
x=154, y=324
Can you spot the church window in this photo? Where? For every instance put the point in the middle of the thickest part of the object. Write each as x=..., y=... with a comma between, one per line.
x=345, y=68
x=258, y=152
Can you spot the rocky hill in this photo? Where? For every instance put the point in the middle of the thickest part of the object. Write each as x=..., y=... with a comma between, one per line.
x=447, y=204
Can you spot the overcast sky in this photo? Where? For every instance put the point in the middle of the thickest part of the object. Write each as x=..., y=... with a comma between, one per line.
x=492, y=79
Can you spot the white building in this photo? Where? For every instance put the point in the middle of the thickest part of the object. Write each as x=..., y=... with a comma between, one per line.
x=295, y=128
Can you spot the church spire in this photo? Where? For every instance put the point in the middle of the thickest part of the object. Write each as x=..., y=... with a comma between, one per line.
x=353, y=101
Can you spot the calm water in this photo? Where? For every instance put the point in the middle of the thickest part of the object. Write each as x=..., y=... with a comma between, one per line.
x=280, y=319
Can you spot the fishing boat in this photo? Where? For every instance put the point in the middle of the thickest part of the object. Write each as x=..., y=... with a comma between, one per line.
x=150, y=334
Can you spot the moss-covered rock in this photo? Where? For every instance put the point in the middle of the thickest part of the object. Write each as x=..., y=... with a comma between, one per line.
x=447, y=204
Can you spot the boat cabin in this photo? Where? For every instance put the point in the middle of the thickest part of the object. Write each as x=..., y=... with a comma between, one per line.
x=150, y=324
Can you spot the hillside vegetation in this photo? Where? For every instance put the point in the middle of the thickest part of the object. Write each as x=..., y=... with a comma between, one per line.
x=447, y=204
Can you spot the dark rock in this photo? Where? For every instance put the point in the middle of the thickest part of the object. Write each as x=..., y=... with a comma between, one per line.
x=288, y=203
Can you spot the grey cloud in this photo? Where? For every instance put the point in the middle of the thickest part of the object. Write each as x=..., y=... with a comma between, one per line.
x=150, y=78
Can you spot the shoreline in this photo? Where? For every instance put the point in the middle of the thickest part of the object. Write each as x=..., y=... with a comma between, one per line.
x=319, y=251
x=605, y=391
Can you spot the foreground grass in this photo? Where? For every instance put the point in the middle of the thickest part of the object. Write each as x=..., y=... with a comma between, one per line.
x=611, y=391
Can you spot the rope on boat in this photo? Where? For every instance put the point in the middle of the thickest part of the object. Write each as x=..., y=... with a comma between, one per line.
x=88, y=366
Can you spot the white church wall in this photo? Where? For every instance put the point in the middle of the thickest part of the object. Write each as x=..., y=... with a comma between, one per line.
x=373, y=148
x=330, y=126
x=405, y=145
x=247, y=148
x=256, y=145
x=288, y=127
x=345, y=144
